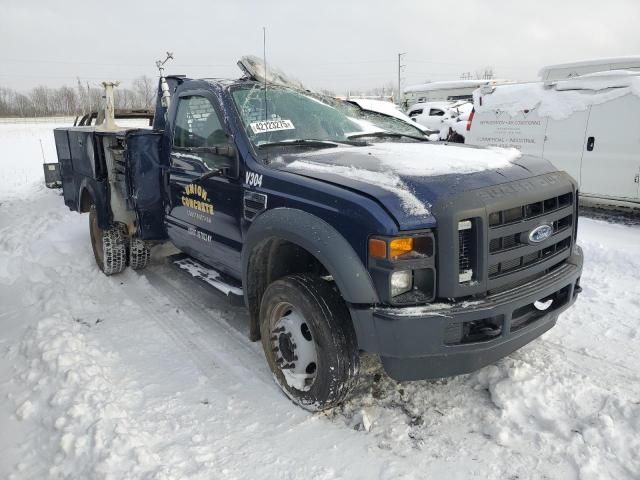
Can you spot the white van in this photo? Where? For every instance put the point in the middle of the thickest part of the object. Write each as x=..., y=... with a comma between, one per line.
x=588, y=126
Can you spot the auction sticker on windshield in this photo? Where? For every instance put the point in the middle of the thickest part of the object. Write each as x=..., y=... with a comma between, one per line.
x=271, y=126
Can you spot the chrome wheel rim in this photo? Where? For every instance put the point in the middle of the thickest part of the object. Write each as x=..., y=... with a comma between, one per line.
x=294, y=347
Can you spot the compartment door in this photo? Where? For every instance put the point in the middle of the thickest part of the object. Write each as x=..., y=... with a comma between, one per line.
x=564, y=143
x=611, y=159
x=69, y=188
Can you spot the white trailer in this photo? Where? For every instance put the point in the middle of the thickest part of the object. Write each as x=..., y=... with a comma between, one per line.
x=444, y=91
x=588, y=126
x=562, y=71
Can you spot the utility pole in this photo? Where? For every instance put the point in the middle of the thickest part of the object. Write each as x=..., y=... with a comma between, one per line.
x=89, y=97
x=400, y=67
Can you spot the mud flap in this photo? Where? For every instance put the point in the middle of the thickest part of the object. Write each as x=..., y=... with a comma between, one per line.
x=52, y=176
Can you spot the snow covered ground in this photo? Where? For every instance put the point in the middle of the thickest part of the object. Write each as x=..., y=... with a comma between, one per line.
x=152, y=376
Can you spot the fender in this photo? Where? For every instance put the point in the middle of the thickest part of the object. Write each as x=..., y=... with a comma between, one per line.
x=98, y=192
x=322, y=241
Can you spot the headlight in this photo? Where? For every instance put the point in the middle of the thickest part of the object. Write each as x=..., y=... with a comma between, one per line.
x=401, y=282
x=403, y=267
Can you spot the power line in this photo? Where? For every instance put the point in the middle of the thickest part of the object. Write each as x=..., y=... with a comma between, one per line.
x=232, y=65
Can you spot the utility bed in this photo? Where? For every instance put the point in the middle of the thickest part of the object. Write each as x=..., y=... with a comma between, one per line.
x=128, y=159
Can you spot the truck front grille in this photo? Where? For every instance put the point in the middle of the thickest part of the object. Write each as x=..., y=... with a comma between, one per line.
x=511, y=251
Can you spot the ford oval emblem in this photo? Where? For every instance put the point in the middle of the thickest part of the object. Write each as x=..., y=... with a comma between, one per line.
x=540, y=234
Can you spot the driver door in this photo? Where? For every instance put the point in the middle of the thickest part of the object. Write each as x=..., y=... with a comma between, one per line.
x=204, y=216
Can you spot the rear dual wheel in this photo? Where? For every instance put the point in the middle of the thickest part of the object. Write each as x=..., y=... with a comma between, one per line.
x=109, y=245
x=113, y=249
x=139, y=253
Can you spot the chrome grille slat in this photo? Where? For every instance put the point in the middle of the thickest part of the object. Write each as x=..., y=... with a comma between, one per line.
x=526, y=249
x=524, y=225
x=504, y=281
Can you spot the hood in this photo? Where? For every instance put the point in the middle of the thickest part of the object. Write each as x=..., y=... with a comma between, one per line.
x=408, y=178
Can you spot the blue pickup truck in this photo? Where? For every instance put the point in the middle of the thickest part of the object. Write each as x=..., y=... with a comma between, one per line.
x=345, y=230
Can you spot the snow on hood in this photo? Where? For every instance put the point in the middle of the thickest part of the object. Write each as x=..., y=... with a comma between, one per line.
x=386, y=180
x=391, y=166
x=561, y=99
x=428, y=159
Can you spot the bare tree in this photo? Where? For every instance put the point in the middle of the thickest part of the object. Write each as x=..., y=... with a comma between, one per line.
x=95, y=98
x=23, y=105
x=41, y=99
x=83, y=98
x=6, y=100
x=145, y=88
x=68, y=100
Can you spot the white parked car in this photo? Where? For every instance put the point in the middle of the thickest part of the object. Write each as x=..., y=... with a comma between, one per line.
x=429, y=114
x=454, y=122
x=588, y=126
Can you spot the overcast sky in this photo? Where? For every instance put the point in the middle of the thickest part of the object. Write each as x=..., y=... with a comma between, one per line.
x=331, y=44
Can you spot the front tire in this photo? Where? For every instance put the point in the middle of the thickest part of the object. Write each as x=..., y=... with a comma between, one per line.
x=309, y=341
x=109, y=246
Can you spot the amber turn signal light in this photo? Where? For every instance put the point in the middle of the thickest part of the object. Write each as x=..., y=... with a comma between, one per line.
x=397, y=247
x=400, y=246
x=377, y=248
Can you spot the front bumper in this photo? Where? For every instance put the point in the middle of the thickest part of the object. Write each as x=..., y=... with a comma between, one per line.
x=442, y=340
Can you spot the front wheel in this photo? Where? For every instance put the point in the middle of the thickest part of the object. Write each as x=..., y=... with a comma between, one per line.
x=109, y=246
x=309, y=341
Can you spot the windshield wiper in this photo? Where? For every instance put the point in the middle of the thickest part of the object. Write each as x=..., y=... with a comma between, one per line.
x=386, y=134
x=301, y=142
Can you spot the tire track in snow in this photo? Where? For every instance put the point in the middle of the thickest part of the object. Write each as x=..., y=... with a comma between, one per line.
x=601, y=372
x=215, y=347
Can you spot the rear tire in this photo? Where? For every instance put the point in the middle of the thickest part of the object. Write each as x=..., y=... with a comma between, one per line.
x=139, y=253
x=309, y=341
x=109, y=245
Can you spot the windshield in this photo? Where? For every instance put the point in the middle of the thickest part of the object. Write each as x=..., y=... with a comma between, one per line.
x=286, y=115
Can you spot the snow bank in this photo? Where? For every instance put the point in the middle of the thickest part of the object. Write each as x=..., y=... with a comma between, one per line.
x=23, y=148
x=69, y=385
x=562, y=99
x=540, y=404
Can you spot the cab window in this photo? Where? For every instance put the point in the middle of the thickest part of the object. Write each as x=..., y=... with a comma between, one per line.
x=197, y=124
x=199, y=130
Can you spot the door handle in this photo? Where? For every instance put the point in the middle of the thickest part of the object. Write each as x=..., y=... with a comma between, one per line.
x=590, y=143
